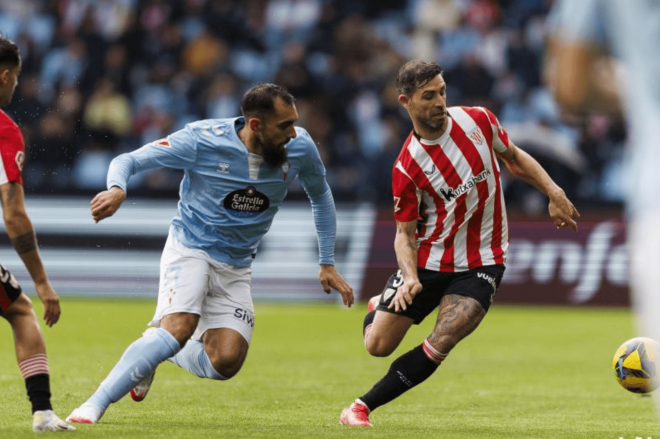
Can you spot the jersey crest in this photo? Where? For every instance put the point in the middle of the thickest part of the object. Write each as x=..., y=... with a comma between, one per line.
x=476, y=136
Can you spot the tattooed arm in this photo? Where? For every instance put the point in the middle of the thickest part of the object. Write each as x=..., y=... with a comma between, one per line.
x=21, y=233
x=405, y=246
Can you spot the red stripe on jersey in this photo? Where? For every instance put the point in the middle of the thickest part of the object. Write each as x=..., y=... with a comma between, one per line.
x=403, y=188
x=446, y=168
x=504, y=137
x=484, y=119
x=418, y=175
x=473, y=239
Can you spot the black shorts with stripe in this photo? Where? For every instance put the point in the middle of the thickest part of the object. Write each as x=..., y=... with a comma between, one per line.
x=480, y=283
x=9, y=289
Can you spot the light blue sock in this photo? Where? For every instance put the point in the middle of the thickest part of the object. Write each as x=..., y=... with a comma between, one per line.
x=139, y=360
x=194, y=359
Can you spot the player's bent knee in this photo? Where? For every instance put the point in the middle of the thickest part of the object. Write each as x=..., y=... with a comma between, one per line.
x=378, y=347
x=21, y=308
x=180, y=325
x=226, y=366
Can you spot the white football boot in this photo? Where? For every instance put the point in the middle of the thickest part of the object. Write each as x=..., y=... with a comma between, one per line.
x=87, y=413
x=47, y=420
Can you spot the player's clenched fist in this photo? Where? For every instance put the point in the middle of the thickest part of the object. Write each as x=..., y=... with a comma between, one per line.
x=106, y=203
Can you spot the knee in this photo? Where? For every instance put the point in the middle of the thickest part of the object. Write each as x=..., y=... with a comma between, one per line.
x=227, y=365
x=180, y=325
x=19, y=310
x=378, y=347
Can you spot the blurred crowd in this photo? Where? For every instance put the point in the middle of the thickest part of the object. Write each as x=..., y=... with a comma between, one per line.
x=101, y=77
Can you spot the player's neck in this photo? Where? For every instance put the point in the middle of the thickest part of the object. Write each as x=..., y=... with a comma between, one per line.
x=429, y=133
x=248, y=141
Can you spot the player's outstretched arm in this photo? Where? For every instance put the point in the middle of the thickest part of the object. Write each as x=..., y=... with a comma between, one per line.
x=106, y=203
x=331, y=279
x=22, y=236
x=523, y=166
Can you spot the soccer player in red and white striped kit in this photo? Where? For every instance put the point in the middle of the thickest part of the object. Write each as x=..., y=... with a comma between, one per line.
x=451, y=231
x=15, y=306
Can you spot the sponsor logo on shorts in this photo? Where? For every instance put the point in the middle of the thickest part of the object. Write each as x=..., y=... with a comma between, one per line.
x=489, y=279
x=245, y=315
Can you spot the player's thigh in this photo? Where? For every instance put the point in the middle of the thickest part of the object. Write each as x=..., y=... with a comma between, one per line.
x=19, y=308
x=387, y=332
x=228, y=303
x=13, y=303
x=184, y=282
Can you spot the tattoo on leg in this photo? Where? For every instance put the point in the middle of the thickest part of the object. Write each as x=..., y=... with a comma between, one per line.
x=458, y=317
x=24, y=243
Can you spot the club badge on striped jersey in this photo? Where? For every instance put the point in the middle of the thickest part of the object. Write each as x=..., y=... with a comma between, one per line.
x=476, y=136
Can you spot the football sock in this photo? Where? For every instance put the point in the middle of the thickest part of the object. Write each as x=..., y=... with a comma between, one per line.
x=139, y=360
x=407, y=371
x=195, y=360
x=368, y=320
x=37, y=381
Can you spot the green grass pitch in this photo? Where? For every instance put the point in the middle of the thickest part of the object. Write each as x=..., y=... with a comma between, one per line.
x=527, y=372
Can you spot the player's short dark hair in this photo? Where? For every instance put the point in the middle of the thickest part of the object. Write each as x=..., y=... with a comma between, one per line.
x=259, y=101
x=10, y=55
x=415, y=74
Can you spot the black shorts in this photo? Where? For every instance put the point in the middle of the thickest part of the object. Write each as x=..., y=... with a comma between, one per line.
x=480, y=283
x=9, y=289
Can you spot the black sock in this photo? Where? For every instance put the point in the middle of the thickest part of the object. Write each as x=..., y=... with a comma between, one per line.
x=38, y=390
x=406, y=372
x=368, y=320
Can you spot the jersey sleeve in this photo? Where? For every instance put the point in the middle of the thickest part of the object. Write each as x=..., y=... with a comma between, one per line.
x=500, y=136
x=406, y=204
x=312, y=173
x=177, y=151
x=12, y=151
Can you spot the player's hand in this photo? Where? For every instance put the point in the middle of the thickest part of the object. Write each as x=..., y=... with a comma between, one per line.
x=405, y=294
x=331, y=279
x=51, y=303
x=106, y=203
x=562, y=211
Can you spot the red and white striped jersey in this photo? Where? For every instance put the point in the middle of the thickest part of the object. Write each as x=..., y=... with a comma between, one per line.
x=452, y=186
x=12, y=151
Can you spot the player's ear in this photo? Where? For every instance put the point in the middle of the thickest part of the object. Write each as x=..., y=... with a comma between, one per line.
x=254, y=124
x=403, y=99
x=4, y=74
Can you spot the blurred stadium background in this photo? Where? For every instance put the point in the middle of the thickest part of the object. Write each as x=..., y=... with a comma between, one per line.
x=106, y=76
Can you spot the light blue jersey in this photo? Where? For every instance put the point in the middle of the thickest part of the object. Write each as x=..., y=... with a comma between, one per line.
x=228, y=196
x=631, y=30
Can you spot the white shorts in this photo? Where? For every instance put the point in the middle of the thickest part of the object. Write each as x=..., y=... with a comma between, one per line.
x=192, y=282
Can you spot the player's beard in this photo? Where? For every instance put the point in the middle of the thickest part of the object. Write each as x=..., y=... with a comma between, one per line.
x=438, y=125
x=274, y=155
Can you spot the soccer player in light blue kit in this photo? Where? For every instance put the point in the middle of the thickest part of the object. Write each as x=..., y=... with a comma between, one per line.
x=631, y=30
x=237, y=173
